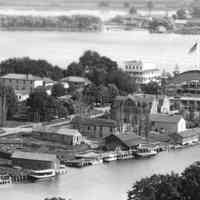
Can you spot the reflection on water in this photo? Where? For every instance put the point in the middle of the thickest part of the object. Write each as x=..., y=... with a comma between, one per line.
x=104, y=181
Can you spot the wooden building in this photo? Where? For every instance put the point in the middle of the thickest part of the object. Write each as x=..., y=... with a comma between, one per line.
x=35, y=161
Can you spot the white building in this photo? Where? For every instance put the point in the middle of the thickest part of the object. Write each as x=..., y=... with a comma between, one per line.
x=24, y=84
x=149, y=75
x=168, y=123
x=134, y=68
x=142, y=72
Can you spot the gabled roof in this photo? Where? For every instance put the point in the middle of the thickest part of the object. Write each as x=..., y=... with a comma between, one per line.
x=34, y=156
x=94, y=122
x=165, y=118
x=187, y=133
x=21, y=77
x=60, y=131
x=186, y=76
x=130, y=139
x=76, y=79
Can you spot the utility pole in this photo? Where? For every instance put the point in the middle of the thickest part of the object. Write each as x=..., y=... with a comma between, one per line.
x=3, y=106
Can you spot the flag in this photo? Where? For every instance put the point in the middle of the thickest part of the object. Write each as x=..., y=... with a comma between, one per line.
x=193, y=48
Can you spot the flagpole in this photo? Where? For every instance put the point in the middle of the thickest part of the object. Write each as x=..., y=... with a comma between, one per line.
x=198, y=55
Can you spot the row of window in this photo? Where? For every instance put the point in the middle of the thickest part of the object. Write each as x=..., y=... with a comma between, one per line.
x=136, y=67
x=100, y=128
x=17, y=81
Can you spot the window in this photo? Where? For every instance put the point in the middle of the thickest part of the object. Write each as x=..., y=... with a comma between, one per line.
x=88, y=128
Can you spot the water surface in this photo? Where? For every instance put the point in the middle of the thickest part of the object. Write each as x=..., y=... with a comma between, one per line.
x=104, y=181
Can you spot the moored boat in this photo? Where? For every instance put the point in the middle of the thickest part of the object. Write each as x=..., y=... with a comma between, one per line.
x=111, y=156
x=40, y=175
x=125, y=155
x=5, y=179
x=145, y=151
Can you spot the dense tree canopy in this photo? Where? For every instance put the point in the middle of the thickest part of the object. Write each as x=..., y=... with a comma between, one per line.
x=151, y=88
x=29, y=66
x=58, y=90
x=44, y=107
x=168, y=187
x=181, y=14
x=74, y=69
x=103, y=71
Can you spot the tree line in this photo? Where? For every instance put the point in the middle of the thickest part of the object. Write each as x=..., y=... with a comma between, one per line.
x=69, y=23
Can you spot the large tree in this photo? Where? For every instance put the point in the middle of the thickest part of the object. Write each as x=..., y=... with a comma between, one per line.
x=157, y=187
x=169, y=187
x=58, y=90
x=44, y=107
x=74, y=69
x=30, y=66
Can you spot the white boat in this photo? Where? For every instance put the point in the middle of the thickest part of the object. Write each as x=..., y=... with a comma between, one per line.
x=5, y=179
x=45, y=174
x=146, y=152
x=124, y=155
x=112, y=156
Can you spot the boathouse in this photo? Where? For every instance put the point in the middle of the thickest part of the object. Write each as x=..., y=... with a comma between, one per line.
x=35, y=161
x=165, y=123
x=124, y=141
x=188, y=136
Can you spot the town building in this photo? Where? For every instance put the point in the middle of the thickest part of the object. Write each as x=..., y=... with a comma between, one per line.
x=22, y=95
x=75, y=82
x=35, y=161
x=143, y=73
x=188, y=136
x=128, y=141
x=61, y=135
x=149, y=75
x=23, y=82
x=134, y=68
x=132, y=110
x=95, y=127
x=165, y=123
x=184, y=84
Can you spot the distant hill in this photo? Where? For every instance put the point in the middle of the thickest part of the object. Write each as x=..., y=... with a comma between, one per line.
x=88, y=4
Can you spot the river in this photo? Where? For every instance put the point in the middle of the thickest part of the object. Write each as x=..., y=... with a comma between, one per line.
x=61, y=48
x=104, y=181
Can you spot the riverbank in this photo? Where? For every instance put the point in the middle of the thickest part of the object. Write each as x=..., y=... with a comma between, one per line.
x=93, y=182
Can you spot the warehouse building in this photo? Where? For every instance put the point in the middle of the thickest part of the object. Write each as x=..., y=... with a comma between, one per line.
x=61, y=135
x=35, y=161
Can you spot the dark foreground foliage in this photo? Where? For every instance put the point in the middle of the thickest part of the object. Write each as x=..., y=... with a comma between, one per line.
x=168, y=187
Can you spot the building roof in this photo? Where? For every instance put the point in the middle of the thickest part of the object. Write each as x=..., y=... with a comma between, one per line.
x=165, y=118
x=48, y=80
x=75, y=79
x=58, y=130
x=186, y=76
x=150, y=70
x=94, y=122
x=21, y=77
x=130, y=139
x=34, y=156
x=188, y=133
